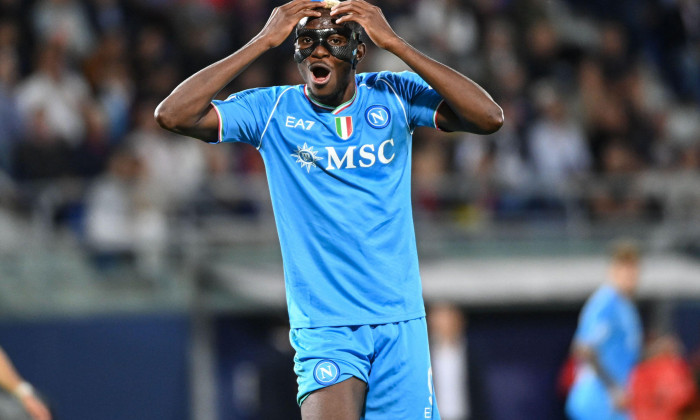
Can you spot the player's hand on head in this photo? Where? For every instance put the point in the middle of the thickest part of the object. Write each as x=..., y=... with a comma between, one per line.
x=370, y=17
x=284, y=18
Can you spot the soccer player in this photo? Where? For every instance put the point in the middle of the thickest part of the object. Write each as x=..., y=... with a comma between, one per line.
x=607, y=343
x=11, y=381
x=337, y=153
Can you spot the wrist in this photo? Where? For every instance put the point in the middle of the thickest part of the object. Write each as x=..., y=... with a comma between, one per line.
x=265, y=40
x=395, y=45
x=23, y=390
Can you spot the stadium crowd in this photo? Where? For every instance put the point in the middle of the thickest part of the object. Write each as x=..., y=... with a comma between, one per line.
x=601, y=104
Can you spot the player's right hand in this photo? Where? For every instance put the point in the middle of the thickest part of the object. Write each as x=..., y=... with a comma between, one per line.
x=284, y=18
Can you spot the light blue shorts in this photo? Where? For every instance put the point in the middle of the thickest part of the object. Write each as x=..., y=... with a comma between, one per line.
x=392, y=359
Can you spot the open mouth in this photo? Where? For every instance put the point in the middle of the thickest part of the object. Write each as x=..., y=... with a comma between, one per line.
x=320, y=74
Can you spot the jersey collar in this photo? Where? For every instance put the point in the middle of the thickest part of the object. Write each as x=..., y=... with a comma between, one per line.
x=335, y=110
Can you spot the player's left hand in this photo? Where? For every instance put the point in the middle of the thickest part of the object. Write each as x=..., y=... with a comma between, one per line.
x=370, y=17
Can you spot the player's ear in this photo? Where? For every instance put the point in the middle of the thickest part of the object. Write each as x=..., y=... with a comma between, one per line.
x=361, y=50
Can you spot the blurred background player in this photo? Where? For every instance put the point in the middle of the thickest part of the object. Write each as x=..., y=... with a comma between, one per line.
x=12, y=382
x=607, y=343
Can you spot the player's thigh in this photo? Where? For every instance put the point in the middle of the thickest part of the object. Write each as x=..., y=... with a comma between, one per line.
x=400, y=384
x=342, y=401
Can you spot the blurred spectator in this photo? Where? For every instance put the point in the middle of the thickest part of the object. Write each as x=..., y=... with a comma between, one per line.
x=123, y=227
x=448, y=350
x=201, y=34
x=173, y=167
x=507, y=75
x=65, y=23
x=557, y=144
x=603, y=113
x=41, y=155
x=90, y=157
x=499, y=162
x=110, y=210
x=616, y=195
x=155, y=61
x=58, y=91
x=614, y=52
x=446, y=28
x=429, y=166
x=542, y=58
x=10, y=121
x=107, y=16
x=662, y=386
x=607, y=343
x=643, y=124
x=682, y=193
x=108, y=72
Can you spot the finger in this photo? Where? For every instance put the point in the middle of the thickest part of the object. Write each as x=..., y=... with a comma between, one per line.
x=297, y=5
x=360, y=18
x=350, y=6
x=307, y=13
x=350, y=17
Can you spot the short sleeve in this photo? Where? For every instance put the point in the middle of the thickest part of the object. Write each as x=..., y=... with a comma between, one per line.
x=595, y=324
x=243, y=116
x=419, y=99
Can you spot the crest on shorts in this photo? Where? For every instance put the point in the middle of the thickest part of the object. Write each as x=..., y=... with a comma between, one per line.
x=326, y=372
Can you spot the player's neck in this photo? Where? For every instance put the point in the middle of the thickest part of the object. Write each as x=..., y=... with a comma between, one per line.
x=337, y=98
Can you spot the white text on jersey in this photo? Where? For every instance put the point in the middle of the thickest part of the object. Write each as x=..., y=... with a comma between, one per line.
x=296, y=123
x=367, y=156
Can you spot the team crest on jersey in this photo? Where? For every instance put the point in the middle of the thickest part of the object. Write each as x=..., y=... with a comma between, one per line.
x=378, y=116
x=326, y=372
x=343, y=127
x=306, y=156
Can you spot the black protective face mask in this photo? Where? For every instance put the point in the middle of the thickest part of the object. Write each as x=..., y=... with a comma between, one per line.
x=347, y=52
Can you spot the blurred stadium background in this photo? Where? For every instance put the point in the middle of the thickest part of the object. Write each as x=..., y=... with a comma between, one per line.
x=140, y=276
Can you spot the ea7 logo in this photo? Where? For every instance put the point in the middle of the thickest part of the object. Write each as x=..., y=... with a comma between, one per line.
x=292, y=122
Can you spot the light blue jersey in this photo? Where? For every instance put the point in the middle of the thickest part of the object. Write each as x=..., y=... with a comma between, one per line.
x=340, y=185
x=610, y=325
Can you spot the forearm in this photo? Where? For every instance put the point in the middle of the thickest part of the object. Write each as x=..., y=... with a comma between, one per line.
x=589, y=356
x=472, y=104
x=189, y=102
x=603, y=374
x=9, y=378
